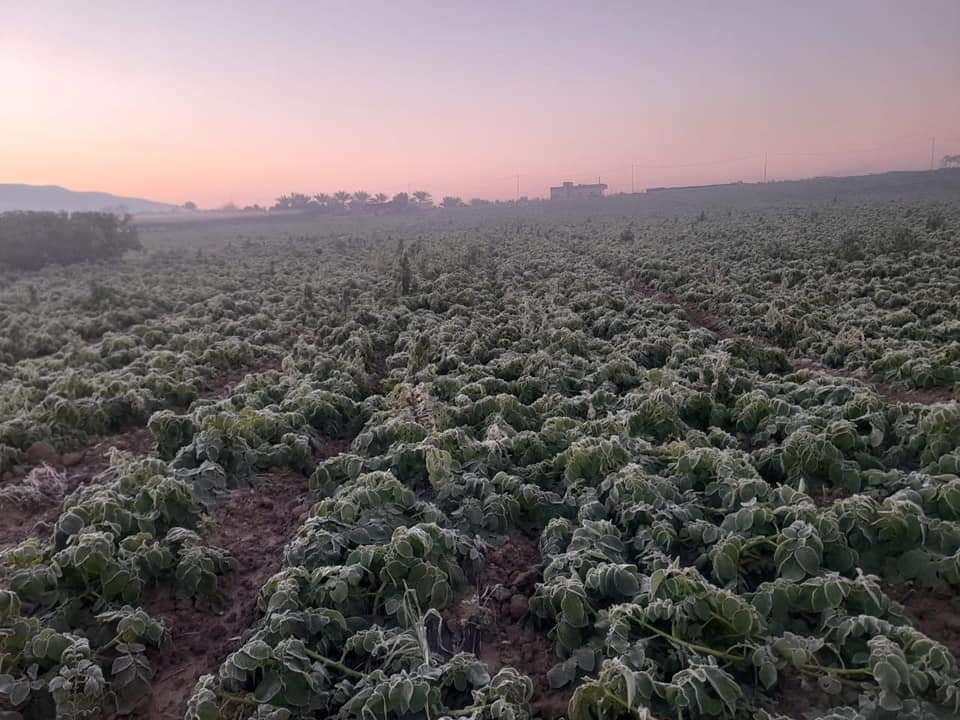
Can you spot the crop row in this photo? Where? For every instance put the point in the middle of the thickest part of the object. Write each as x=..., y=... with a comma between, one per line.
x=716, y=529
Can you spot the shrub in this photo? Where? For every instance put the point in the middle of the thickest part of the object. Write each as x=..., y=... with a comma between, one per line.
x=849, y=246
x=30, y=240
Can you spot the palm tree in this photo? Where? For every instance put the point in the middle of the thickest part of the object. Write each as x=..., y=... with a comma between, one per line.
x=380, y=198
x=299, y=201
x=323, y=200
x=340, y=197
x=293, y=201
x=422, y=197
x=360, y=199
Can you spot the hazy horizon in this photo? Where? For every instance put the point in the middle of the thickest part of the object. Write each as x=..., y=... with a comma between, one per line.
x=240, y=102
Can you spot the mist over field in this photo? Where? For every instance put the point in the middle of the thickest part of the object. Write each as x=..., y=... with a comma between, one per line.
x=480, y=362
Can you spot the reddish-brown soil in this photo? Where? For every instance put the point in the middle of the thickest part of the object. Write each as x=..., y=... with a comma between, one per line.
x=800, y=697
x=927, y=396
x=223, y=385
x=890, y=393
x=692, y=314
x=30, y=513
x=715, y=324
x=937, y=613
x=494, y=624
x=254, y=525
x=331, y=447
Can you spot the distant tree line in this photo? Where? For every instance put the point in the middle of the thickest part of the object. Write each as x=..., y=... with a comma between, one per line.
x=362, y=201
x=951, y=161
x=359, y=201
x=30, y=240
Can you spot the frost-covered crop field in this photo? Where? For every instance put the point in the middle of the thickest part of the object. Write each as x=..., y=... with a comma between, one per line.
x=494, y=467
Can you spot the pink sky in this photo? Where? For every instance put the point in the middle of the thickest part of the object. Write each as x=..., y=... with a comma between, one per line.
x=221, y=101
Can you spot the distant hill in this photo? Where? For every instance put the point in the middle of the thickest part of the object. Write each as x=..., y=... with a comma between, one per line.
x=53, y=197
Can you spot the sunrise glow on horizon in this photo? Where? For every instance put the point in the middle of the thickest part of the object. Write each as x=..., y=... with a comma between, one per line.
x=217, y=102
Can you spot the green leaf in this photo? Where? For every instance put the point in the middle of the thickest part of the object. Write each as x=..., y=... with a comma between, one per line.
x=568, y=635
x=886, y=675
x=834, y=593
x=571, y=605
x=890, y=701
x=258, y=650
x=18, y=692
x=561, y=674
x=768, y=675
x=269, y=687
x=808, y=559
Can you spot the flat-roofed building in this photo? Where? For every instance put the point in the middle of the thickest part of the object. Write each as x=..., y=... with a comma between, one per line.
x=569, y=191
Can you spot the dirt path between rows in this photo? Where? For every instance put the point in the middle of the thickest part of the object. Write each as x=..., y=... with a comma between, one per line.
x=31, y=503
x=493, y=623
x=937, y=613
x=223, y=385
x=254, y=525
x=31, y=498
x=716, y=325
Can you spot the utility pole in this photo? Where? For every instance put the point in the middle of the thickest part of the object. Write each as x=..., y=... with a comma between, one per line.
x=518, y=187
x=633, y=188
x=933, y=150
x=764, y=168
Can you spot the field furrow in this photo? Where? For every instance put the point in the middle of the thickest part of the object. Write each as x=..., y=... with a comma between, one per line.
x=532, y=468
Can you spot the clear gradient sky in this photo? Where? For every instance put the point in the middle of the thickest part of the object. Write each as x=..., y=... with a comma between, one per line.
x=220, y=101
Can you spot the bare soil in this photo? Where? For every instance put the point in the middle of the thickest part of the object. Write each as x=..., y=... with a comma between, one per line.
x=890, y=393
x=800, y=697
x=494, y=623
x=223, y=385
x=937, y=613
x=331, y=447
x=32, y=514
x=692, y=314
x=254, y=524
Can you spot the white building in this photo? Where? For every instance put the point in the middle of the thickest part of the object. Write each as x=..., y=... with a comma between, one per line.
x=569, y=191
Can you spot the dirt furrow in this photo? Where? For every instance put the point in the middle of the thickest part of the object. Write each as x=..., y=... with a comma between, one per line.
x=887, y=391
x=493, y=622
x=254, y=525
x=936, y=613
x=31, y=496
x=32, y=502
x=223, y=385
